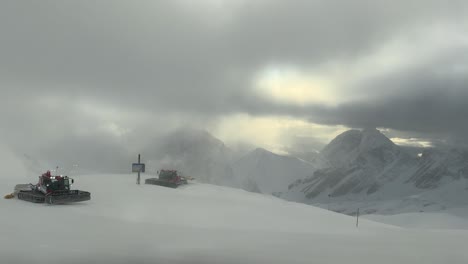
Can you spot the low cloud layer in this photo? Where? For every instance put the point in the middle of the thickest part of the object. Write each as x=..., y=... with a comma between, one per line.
x=116, y=71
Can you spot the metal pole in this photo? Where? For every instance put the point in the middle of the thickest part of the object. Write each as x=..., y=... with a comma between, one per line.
x=138, y=180
x=357, y=218
x=329, y=202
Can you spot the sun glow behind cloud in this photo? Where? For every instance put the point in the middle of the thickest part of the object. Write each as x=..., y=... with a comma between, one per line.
x=272, y=132
x=287, y=85
x=412, y=142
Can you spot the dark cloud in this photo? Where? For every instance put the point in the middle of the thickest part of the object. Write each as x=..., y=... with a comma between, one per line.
x=157, y=53
x=430, y=99
x=160, y=64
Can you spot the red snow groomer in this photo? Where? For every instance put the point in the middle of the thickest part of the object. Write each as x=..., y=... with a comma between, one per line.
x=52, y=190
x=167, y=178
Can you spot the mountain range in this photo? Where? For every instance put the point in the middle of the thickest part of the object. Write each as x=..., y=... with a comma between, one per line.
x=369, y=171
x=358, y=169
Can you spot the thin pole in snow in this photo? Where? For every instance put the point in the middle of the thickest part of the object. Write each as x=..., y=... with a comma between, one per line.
x=357, y=218
x=138, y=179
x=329, y=202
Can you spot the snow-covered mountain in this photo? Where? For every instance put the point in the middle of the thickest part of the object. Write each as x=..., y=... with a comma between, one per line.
x=361, y=162
x=367, y=148
x=193, y=152
x=437, y=166
x=357, y=169
x=199, y=154
x=266, y=172
x=369, y=170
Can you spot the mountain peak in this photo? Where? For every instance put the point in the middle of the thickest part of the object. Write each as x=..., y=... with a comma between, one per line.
x=368, y=138
x=373, y=138
x=347, y=147
x=261, y=151
x=189, y=138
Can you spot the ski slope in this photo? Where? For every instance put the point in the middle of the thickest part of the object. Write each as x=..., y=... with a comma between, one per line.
x=456, y=218
x=202, y=223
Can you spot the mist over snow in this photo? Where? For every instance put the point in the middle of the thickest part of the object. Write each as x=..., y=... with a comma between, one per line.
x=194, y=153
x=13, y=166
x=266, y=172
x=274, y=107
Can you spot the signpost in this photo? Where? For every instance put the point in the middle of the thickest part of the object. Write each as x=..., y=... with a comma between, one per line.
x=357, y=218
x=138, y=167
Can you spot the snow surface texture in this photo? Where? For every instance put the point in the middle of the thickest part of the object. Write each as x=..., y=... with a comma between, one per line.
x=202, y=223
x=372, y=173
x=456, y=218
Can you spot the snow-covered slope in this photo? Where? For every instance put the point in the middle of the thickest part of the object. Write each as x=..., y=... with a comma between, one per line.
x=456, y=218
x=266, y=172
x=437, y=166
x=362, y=162
x=370, y=171
x=368, y=148
x=201, y=223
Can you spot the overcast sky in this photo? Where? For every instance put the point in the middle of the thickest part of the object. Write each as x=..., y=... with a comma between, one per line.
x=277, y=74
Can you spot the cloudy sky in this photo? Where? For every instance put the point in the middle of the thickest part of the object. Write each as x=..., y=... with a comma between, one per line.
x=83, y=76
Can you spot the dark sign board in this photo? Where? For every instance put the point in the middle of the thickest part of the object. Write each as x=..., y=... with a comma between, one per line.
x=138, y=167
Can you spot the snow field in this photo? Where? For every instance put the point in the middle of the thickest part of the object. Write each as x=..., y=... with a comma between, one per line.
x=202, y=223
